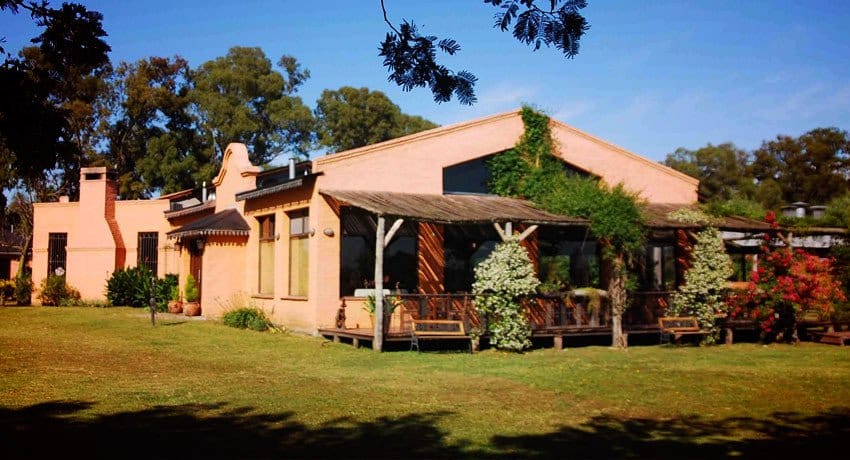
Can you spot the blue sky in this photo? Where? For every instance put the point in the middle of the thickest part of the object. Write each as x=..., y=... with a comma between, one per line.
x=651, y=76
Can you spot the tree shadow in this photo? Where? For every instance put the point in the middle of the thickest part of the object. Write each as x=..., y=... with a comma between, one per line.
x=219, y=430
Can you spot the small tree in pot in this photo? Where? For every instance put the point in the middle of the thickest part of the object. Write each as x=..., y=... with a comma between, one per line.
x=174, y=303
x=191, y=307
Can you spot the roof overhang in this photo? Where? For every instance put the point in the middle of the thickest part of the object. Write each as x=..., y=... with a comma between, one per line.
x=265, y=191
x=450, y=209
x=224, y=223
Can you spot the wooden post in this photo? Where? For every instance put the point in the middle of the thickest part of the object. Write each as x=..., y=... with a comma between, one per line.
x=559, y=342
x=378, y=343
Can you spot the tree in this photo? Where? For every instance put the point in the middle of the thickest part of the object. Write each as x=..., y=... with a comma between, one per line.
x=153, y=143
x=721, y=170
x=531, y=171
x=49, y=93
x=350, y=117
x=241, y=98
x=813, y=167
x=411, y=57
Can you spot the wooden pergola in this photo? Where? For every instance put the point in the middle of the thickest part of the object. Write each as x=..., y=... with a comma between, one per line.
x=500, y=212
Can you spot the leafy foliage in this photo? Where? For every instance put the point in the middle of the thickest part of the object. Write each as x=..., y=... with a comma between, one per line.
x=23, y=288
x=152, y=139
x=412, y=62
x=241, y=98
x=531, y=170
x=812, y=168
x=349, y=117
x=247, y=318
x=132, y=287
x=786, y=284
x=562, y=26
x=737, y=206
x=49, y=94
x=721, y=170
x=190, y=291
x=55, y=291
x=411, y=57
x=703, y=293
x=500, y=281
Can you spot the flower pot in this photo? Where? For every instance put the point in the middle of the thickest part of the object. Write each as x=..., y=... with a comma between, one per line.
x=192, y=309
x=175, y=306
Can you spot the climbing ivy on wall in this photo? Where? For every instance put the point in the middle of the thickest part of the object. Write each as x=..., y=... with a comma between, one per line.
x=531, y=170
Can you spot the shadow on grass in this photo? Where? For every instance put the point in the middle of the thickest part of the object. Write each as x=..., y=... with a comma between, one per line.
x=58, y=428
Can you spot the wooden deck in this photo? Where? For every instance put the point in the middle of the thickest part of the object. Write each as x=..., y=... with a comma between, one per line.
x=356, y=336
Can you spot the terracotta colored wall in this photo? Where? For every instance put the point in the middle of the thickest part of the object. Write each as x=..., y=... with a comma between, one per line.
x=414, y=164
x=656, y=183
x=223, y=262
x=138, y=216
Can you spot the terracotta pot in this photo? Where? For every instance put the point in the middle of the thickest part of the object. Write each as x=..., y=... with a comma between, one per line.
x=192, y=309
x=175, y=306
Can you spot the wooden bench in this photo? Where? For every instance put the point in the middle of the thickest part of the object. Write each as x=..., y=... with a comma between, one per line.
x=678, y=327
x=436, y=329
x=834, y=338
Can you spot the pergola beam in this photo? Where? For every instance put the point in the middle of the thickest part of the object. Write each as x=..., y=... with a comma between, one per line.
x=393, y=229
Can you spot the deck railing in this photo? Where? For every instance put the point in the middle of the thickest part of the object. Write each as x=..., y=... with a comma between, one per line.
x=544, y=311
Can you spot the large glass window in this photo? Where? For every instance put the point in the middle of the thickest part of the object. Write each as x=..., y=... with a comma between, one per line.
x=57, y=244
x=569, y=259
x=466, y=246
x=299, y=252
x=266, y=260
x=357, y=257
x=147, y=254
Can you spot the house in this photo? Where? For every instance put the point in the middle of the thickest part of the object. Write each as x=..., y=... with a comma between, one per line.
x=299, y=241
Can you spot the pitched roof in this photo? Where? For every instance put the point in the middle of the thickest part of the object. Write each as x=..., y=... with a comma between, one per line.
x=224, y=223
x=451, y=209
x=210, y=204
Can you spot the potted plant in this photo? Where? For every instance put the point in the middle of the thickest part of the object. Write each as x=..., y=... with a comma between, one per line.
x=390, y=305
x=191, y=307
x=174, y=304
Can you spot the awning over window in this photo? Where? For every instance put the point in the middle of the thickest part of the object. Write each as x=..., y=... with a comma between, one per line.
x=224, y=223
x=451, y=209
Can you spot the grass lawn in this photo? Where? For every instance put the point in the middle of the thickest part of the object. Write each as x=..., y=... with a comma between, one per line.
x=105, y=383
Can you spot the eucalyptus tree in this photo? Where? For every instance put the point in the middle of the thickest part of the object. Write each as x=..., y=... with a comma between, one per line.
x=240, y=97
x=350, y=117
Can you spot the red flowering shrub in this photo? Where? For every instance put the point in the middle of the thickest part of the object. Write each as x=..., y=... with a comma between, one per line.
x=786, y=283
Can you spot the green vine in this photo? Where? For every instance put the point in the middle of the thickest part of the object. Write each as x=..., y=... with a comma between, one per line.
x=532, y=171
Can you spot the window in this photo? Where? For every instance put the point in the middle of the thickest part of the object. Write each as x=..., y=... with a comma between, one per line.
x=660, y=268
x=147, y=253
x=568, y=257
x=267, y=235
x=357, y=254
x=56, y=252
x=299, y=252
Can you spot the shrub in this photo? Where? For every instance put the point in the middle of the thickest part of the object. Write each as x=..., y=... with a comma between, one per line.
x=55, y=291
x=191, y=290
x=23, y=288
x=500, y=281
x=247, y=318
x=703, y=293
x=7, y=289
x=132, y=287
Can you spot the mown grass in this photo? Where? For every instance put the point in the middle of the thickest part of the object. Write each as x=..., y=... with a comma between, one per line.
x=105, y=377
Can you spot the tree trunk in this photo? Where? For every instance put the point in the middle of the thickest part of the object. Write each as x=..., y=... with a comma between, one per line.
x=617, y=296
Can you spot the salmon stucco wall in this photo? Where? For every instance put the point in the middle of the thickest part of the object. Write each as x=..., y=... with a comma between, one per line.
x=139, y=216
x=414, y=164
